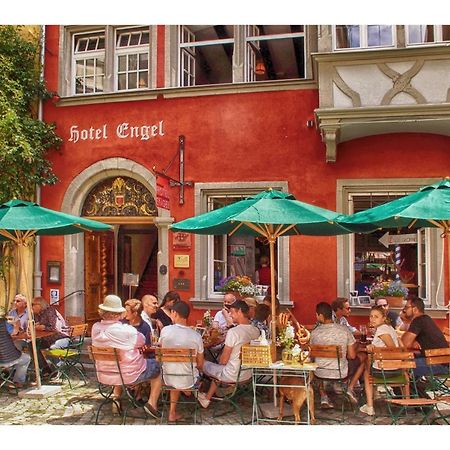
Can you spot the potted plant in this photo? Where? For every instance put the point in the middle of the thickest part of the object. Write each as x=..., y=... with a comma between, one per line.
x=393, y=291
x=240, y=285
x=286, y=340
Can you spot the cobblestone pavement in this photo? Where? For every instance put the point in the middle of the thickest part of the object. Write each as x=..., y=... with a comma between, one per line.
x=78, y=406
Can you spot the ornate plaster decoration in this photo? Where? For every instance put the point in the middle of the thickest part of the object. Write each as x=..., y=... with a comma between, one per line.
x=346, y=89
x=402, y=82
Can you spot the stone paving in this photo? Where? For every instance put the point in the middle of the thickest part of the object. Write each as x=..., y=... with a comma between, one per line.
x=78, y=406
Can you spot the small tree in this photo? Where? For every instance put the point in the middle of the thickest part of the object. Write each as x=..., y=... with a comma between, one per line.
x=24, y=140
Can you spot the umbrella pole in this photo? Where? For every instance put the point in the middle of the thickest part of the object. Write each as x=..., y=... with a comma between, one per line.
x=20, y=250
x=273, y=322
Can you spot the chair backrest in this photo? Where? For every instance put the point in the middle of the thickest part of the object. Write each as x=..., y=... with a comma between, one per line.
x=437, y=356
x=330, y=352
x=392, y=360
x=78, y=330
x=184, y=355
x=103, y=353
x=74, y=320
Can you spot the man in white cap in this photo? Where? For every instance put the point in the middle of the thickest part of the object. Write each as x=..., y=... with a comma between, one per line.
x=110, y=332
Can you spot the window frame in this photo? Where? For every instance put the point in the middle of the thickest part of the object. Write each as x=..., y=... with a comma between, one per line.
x=131, y=50
x=93, y=54
x=437, y=31
x=203, y=250
x=434, y=248
x=363, y=39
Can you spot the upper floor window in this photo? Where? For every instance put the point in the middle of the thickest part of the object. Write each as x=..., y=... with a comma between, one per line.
x=132, y=58
x=363, y=36
x=89, y=63
x=215, y=54
x=427, y=34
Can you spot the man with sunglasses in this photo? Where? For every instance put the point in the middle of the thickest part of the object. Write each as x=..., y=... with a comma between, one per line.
x=19, y=312
x=426, y=333
x=394, y=318
x=223, y=317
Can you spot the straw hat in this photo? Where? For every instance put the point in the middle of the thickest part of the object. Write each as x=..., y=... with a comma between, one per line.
x=112, y=303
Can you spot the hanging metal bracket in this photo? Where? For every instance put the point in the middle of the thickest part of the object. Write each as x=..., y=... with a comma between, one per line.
x=172, y=181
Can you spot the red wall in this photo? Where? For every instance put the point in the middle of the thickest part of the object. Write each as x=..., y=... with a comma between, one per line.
x=240, y=137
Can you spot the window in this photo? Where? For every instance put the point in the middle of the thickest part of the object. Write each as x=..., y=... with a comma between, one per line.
x=363, y=36
x=363, y=257
x=89, y=63
x=222, y=255
x=216, y=54
x=132, y=59
x=427, y=34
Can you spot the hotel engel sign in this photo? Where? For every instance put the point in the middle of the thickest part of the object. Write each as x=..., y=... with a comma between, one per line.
x=123, y=130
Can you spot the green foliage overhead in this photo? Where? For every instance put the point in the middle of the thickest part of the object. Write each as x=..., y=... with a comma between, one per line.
x=24, y=140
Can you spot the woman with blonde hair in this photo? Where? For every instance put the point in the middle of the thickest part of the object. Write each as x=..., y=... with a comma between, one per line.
x=133, y=317
x=385, y=336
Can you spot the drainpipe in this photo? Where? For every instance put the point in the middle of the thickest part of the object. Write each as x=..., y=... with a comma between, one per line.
x=37, y=274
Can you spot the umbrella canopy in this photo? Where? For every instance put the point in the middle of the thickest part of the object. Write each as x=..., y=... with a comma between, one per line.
x=21, y=217
x=20, y=220
x=270, y=214
x=428, y=207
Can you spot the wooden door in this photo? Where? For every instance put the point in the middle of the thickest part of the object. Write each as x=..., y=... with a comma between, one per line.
x=99, y=261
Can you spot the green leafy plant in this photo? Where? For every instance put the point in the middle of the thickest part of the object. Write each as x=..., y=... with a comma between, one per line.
x=387, y=288
x=24, y=140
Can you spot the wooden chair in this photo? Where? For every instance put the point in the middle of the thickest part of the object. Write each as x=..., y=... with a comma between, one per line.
x=409, y=400
x=438, y=382
x=6, y=379
x=128, y=398
x=69, y=358
x=332, y=352
x=74, y=320
x=168, y=357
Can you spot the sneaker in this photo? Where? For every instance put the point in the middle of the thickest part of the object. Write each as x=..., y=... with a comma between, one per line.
x=352, y=397
x=201, y=397
x=366, y=409
x=152, y=411
x=325, y=402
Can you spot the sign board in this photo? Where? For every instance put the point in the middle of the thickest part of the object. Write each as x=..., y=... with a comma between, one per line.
x=162, y=193
x=54, y=296
x=181, y=284
x=181, y=240
x=130, y=279
x=397, y=239
x=181, y=261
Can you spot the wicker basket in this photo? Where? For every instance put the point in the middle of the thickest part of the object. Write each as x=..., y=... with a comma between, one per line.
x=256, y=355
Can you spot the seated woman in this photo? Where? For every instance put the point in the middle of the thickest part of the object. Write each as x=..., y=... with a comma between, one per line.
x=385, y=336
x=162, y=316
x=133, y=317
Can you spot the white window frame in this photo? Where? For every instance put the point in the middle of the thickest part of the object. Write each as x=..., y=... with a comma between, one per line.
x=204, y=267
x=84, y=56
x=434, y=252
x=131, y=50
x=437, y=32
x=363, y=40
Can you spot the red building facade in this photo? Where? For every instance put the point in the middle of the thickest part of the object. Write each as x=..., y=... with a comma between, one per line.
x=239, y=138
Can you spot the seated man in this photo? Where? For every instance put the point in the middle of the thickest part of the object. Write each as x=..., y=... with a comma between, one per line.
x=394, y=319
x=330, y=333
x=10, y=356
x=20, y=312
x=424, y=331
x=341, y=310
x=180, y=335
x=150, y=306
x=262, y=313
x=110, y=332
x=223, y=317
x=229, y=364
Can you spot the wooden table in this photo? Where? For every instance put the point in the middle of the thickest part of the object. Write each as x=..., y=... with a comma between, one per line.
x=40, y=334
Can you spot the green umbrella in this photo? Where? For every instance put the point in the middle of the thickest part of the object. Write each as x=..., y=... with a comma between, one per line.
x=270, y=214
x=428, y=207
x=20, y=221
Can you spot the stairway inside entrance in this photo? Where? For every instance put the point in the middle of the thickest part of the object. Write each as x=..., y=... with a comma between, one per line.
x=148, y=282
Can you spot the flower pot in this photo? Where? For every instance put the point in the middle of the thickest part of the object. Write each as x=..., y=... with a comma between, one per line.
x=395, y=302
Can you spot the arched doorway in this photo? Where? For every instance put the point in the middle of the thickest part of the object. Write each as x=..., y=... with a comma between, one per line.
x=123, y=262
x=75, y=199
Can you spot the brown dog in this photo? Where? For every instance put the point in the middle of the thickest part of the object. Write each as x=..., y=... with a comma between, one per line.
x=297, y=395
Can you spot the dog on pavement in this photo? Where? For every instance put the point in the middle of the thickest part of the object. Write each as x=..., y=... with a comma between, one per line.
x=296, y=394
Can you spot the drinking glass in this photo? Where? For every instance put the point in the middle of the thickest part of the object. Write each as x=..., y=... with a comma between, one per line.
x=363, y=331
